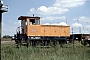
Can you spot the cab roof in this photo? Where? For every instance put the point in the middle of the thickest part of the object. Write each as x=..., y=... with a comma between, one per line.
x=25, y=17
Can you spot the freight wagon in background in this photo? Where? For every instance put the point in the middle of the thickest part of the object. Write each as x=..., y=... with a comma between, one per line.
x=83, y=38
x=33, y=33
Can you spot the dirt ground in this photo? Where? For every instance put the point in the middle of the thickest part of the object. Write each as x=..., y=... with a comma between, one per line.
x=7, y=42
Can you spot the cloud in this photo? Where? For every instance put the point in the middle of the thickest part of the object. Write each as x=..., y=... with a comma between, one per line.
x=83, y=19
x=47, y=24
x=83, y=23
x=61, y=23
x=49, y=10
x=68, y=3
x=59, y=7
x=88, y=26
x=53, y=18
x=76, y=25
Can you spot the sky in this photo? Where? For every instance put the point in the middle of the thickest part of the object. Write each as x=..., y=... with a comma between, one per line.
x=75, y=13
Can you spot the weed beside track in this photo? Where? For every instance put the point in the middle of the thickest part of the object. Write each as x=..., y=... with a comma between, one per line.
x=68, y=52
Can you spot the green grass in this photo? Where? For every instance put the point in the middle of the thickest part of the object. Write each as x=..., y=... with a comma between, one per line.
x=68, y=52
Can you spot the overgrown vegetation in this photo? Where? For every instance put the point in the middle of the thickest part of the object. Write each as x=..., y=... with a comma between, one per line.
x=6, y=36
x=68, y=52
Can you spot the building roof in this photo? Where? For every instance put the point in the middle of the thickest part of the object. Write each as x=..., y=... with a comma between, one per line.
x=25, y=17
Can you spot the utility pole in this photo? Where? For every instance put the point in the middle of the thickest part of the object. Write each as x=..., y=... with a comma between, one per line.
x=3, y=8
x=80, y=30
x=72, y=36
x=72, y=31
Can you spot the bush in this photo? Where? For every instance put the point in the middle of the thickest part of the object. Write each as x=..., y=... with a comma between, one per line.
x=6, y=36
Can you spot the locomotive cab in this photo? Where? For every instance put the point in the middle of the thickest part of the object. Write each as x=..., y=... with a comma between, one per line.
x=27, y=21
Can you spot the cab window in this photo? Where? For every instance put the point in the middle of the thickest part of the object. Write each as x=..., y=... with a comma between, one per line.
x=34, y=22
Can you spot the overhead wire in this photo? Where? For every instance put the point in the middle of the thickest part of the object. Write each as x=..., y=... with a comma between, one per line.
x=78, y=13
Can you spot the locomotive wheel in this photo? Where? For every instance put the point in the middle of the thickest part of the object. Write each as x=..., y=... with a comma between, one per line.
x=30, y=43
x=18, y=43
x=33, y=43
x=89, y=42
x=61, y=43
x=44, y=43
x=27, y=45
x=54, y=42
x=48, y=42
x=82, y=42
x=85, y=43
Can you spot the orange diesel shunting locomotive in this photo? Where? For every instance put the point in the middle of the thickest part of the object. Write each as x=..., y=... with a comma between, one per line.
x=31, y=27
x=32, y=31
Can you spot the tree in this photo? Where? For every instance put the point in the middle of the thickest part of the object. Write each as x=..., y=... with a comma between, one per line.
x=6, y=36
